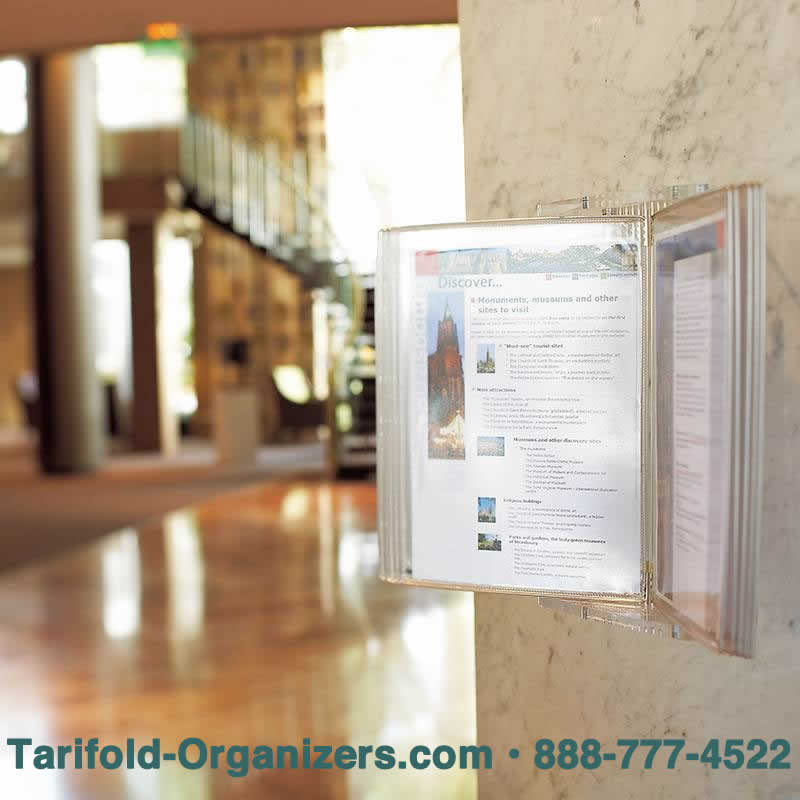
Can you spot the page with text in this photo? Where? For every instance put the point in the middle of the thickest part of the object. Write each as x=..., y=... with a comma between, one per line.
x=525, y=404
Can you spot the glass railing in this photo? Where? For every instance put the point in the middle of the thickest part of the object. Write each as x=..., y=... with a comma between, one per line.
x=244, y=185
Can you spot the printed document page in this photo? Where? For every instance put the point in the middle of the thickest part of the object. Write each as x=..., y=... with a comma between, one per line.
x=525, y=406
x=698, y=486
x=693, y=417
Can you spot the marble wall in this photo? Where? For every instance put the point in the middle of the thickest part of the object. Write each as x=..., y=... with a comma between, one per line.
x=574, y=97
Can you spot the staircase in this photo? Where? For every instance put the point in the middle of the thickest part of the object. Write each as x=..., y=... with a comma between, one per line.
x=242, y=186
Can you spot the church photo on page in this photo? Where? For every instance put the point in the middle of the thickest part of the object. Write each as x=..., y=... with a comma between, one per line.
x=445, y=335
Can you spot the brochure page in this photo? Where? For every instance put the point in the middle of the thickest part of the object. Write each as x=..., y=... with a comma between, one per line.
x=693, y=431
x=525, y=405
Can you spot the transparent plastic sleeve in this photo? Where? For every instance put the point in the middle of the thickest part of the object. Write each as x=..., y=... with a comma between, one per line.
x=511, y=360
x=709, y=316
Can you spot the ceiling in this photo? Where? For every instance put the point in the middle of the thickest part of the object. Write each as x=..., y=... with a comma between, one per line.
x=42, y=25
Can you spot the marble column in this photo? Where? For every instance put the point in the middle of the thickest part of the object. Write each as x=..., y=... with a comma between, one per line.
x=66, y=188
x=572, y=98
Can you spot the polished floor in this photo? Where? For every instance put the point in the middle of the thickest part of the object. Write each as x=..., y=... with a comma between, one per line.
x=253, y=619
x=44, y=515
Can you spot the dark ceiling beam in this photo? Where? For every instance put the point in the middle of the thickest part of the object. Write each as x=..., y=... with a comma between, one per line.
x=42, y=25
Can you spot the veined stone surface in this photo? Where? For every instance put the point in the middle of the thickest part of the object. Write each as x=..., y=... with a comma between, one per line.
x=569, y=98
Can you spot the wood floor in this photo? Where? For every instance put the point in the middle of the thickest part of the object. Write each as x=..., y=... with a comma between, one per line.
x=44, y=515
x=255, y=619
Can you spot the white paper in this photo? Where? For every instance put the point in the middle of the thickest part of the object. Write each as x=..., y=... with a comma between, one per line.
x=525, y=398
x=697, y=497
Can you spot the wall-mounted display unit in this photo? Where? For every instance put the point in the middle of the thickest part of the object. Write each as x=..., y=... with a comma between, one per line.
x=571, y=407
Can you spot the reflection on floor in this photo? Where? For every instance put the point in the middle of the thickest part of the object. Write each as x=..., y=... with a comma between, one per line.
x=40, y=516
x=254, y=619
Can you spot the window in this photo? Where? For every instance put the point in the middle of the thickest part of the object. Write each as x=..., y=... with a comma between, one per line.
x=393, y=130
x=13, y=96
x=139, y=90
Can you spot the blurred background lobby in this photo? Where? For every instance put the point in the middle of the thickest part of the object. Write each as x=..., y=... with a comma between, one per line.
x=190, y=195
x=188, y=225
